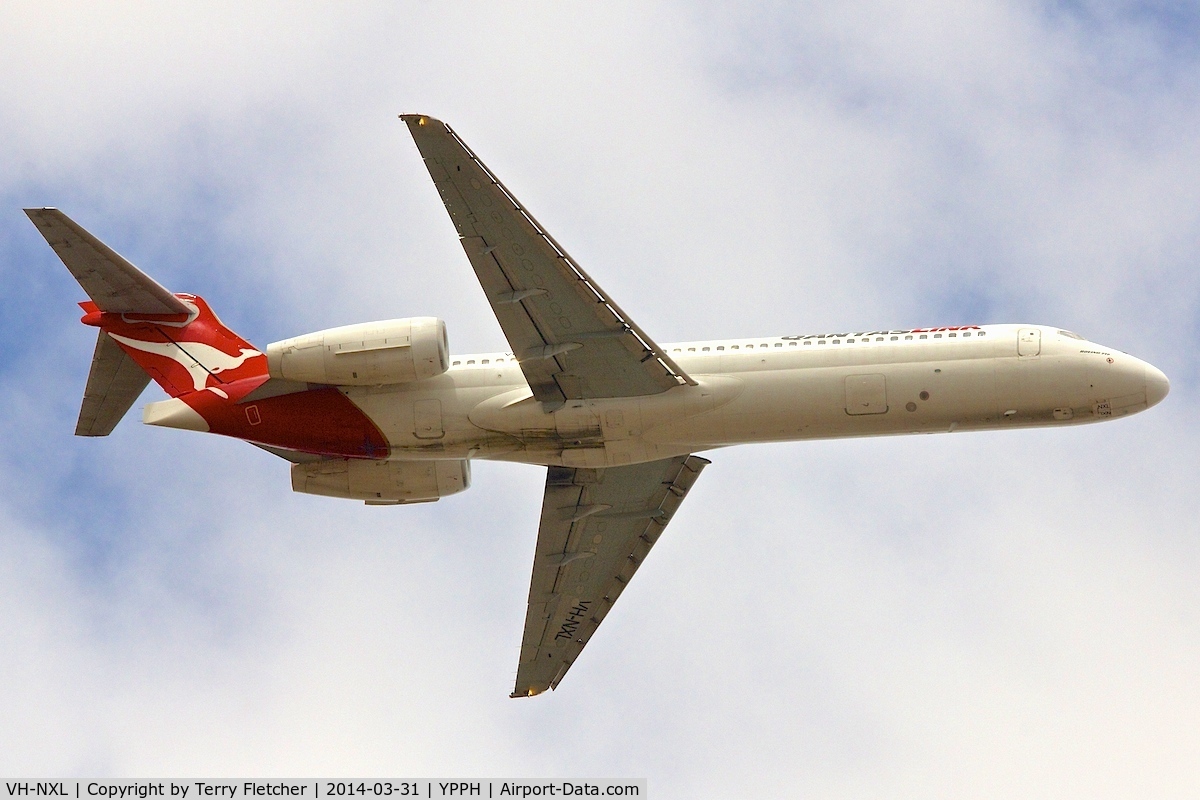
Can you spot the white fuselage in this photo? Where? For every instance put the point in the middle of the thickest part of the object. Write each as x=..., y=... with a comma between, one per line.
x=771, y=390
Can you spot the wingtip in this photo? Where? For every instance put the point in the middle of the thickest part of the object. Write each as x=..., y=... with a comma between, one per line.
x=420, y=120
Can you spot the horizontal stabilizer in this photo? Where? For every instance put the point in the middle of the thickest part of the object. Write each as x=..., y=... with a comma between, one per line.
x=113, y=384
x=112, y=283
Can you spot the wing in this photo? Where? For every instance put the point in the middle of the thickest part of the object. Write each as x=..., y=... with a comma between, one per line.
x=571, y=339
x=113, y=384
x=112, y=282
x=597, y=527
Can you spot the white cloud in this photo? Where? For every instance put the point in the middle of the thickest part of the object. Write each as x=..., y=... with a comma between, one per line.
x=922, y=616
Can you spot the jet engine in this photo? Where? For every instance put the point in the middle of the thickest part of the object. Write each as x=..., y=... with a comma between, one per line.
x=382, y=483
x=367, y=354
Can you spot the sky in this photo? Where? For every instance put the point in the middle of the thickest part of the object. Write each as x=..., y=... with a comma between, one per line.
x=984, y=615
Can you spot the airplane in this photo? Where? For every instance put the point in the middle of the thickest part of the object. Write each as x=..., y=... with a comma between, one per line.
x=383, y=413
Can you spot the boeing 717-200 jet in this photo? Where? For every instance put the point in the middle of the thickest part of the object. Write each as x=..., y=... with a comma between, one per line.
x=383, y=413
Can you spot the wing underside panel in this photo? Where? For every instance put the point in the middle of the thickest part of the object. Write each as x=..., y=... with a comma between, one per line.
x=571, y=339
x=597, y=527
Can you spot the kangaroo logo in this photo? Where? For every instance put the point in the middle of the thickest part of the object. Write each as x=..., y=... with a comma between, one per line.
x=199, y=359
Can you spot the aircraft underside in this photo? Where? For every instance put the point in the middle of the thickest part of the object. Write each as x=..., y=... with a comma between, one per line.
x=381, y=412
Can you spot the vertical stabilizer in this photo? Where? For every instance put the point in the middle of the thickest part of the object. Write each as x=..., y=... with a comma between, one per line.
x=145, y=331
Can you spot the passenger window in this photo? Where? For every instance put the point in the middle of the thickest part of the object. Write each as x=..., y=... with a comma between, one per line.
x=968, y=333
x=923, y=336
x=705, y=349
x=849, y=341
x=485, y=361
x=952, y=335
x=806, y=342
x=879, y=338
x=837, y=341
x=779, y=344
x=821, y=342
x=691, y=349
x=676, y=350
x=735, y=347
x=721, y=347
x=894, y=338
x=981, y=333
x=791, y=344
x=471, y=361
x=906, y=338
x=763, y=345
x=456, y=363
x=936, y=336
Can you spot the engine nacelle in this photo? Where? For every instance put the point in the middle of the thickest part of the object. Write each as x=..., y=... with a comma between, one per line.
x=366, y=354
x=382, y=482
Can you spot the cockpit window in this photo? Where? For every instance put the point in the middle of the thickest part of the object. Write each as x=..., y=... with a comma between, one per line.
x=1070, y=335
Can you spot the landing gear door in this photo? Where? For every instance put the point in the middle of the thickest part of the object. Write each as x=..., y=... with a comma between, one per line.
x=1029, y=342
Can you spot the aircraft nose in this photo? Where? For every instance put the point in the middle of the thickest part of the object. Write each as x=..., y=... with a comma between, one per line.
x=1157, y=385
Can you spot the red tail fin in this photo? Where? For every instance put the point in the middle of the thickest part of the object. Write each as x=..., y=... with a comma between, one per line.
x=184, y=353
x=173, y=338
